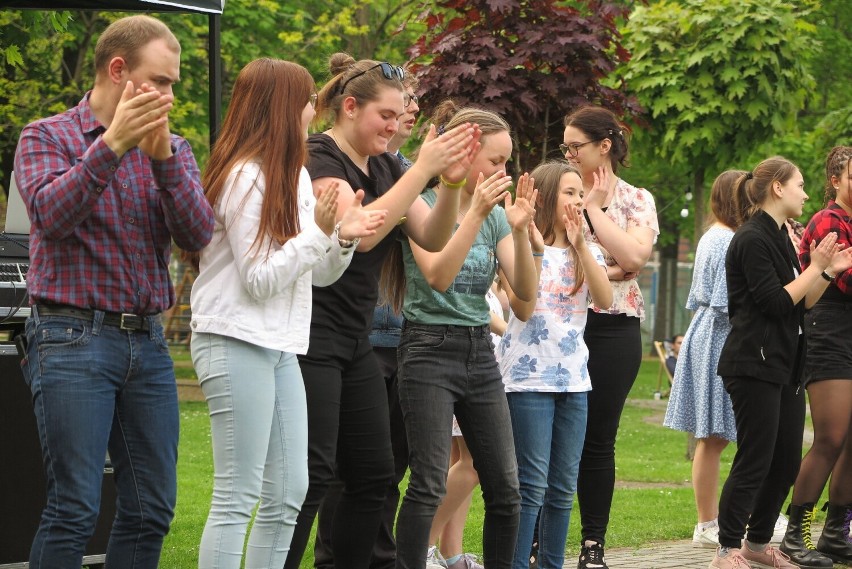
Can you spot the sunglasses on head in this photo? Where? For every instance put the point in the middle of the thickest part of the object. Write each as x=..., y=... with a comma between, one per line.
x=389, y=72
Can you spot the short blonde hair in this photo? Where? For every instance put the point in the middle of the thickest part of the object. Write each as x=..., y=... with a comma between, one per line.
x=125, y=37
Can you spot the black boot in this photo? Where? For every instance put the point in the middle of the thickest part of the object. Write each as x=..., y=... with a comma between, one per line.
x=832, y=543
x=797, y=542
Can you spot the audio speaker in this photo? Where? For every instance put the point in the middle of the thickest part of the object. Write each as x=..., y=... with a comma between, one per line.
x=22, y=482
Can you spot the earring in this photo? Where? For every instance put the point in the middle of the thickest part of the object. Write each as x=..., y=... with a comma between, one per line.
x=350, y=115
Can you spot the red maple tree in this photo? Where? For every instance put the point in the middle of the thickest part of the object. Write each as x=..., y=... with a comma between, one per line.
x=531, y=61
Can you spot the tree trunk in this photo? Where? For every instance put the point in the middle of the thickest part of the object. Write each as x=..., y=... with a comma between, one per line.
x=698, y=201
x=666, y=288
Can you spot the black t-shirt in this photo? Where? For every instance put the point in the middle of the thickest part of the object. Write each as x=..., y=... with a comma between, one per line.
x=347, y=305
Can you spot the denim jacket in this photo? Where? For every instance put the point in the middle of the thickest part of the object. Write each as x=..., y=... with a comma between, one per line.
x=387, y=327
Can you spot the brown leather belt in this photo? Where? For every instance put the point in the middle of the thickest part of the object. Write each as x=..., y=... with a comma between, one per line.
x=124, y=321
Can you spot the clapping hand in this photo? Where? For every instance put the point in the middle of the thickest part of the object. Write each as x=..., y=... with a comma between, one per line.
x=522, y=212
x=488, y=193
x=573, y=220
x=823, y=253
x=141, y=119
x=358, y=222
x=452, y=153
x=325, y=211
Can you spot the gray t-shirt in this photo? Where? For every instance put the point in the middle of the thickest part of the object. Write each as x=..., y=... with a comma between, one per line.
x=463, y=303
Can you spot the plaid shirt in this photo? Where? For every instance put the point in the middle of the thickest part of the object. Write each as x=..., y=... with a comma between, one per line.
x=831, y=219
x=102, y=226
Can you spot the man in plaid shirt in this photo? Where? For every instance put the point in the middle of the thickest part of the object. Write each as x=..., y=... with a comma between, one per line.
x=107, y=188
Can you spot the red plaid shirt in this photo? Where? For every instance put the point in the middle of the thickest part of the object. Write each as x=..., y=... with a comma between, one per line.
x=831, y=219
x=102, y=226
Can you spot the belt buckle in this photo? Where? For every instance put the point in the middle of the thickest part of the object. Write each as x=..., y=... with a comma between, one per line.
x=126, y=322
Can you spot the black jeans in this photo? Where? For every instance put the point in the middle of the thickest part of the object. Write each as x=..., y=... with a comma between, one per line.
x=444, y=369
x=348, y=427
x=615, y=353
x=384, y=549
x=770, y=423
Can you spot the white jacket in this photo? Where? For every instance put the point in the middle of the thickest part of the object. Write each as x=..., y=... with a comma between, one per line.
x=257, y=294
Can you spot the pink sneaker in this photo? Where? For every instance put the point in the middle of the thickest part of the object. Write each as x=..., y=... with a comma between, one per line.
x=733, y=560
x=769, y=558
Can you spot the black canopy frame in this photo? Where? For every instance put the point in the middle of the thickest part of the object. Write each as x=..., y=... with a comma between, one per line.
x=213, y=9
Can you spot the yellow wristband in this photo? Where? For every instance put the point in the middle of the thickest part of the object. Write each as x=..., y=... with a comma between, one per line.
x=450, y=185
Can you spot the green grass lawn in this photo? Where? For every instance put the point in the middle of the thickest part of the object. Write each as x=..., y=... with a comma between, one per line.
x=653, y=500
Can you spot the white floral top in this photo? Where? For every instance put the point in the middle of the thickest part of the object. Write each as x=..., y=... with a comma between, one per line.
x=630, y=207
x=547, y=352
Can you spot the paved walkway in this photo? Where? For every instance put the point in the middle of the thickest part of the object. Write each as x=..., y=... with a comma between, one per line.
x=666, y=555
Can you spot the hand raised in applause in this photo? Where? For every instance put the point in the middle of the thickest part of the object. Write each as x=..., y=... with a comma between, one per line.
x=157, y=144
x=522, y=212
x=841, y=260
x=822, y=253
x=573, y=221
x=453, y=150
x=488, y=193
x=358, y=222
x=140, y=112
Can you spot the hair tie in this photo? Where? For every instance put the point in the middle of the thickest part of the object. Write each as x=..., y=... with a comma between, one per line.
x=749, y=176
x=441, y=129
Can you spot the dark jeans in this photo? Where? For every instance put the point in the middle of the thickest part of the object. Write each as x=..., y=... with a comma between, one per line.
x=615, y=353
x=770, y=422
x=347, y=427
x=97, y=387
x=443, y=369
x=384, y=549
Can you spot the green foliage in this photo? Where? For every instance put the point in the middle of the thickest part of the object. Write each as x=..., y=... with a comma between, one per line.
x=49, y=66
x=718, y=76
x=531, y=61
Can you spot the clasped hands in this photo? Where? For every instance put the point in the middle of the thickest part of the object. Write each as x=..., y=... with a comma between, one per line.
x=141, y=119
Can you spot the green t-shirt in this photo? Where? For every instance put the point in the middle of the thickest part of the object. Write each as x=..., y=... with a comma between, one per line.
x=463, y=304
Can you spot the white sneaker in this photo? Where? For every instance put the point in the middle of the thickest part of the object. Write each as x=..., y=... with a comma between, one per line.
x=780, y=529
x=466, y=561
x=434, y=559
x=707, y=538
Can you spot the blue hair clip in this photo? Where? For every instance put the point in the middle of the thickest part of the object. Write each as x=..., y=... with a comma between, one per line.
x=441, y=129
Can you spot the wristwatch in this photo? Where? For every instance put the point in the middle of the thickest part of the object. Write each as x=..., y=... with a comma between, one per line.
x=345, y=243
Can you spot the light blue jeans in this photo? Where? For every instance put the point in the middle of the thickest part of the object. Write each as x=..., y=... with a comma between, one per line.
x=549, y=430
x=259, y=425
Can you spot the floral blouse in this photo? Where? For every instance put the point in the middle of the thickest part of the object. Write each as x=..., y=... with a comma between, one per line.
x=630, y=207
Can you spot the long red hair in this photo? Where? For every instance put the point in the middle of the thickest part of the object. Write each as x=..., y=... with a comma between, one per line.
x=264, y=123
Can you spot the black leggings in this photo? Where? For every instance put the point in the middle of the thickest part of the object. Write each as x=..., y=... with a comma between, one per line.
x=348, y=426
x=770, y=423
x=615, y=353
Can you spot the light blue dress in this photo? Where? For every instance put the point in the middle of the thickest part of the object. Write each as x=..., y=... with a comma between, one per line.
x=698, y=402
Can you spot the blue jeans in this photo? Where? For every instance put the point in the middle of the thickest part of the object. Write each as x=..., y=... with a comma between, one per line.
x=549, y=430
x=97, y=388
x=259, y=426
x=442, y=369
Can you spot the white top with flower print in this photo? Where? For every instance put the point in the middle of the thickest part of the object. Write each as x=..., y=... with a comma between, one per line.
x=630, y=207
x=547, y=352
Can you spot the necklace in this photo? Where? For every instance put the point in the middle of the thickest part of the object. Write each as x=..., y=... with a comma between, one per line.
x=334, y=138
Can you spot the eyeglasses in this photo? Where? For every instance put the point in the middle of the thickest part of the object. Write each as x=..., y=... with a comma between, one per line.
x=313, y=100
x=408, y=99
x=573, y=149
x=389, y=71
